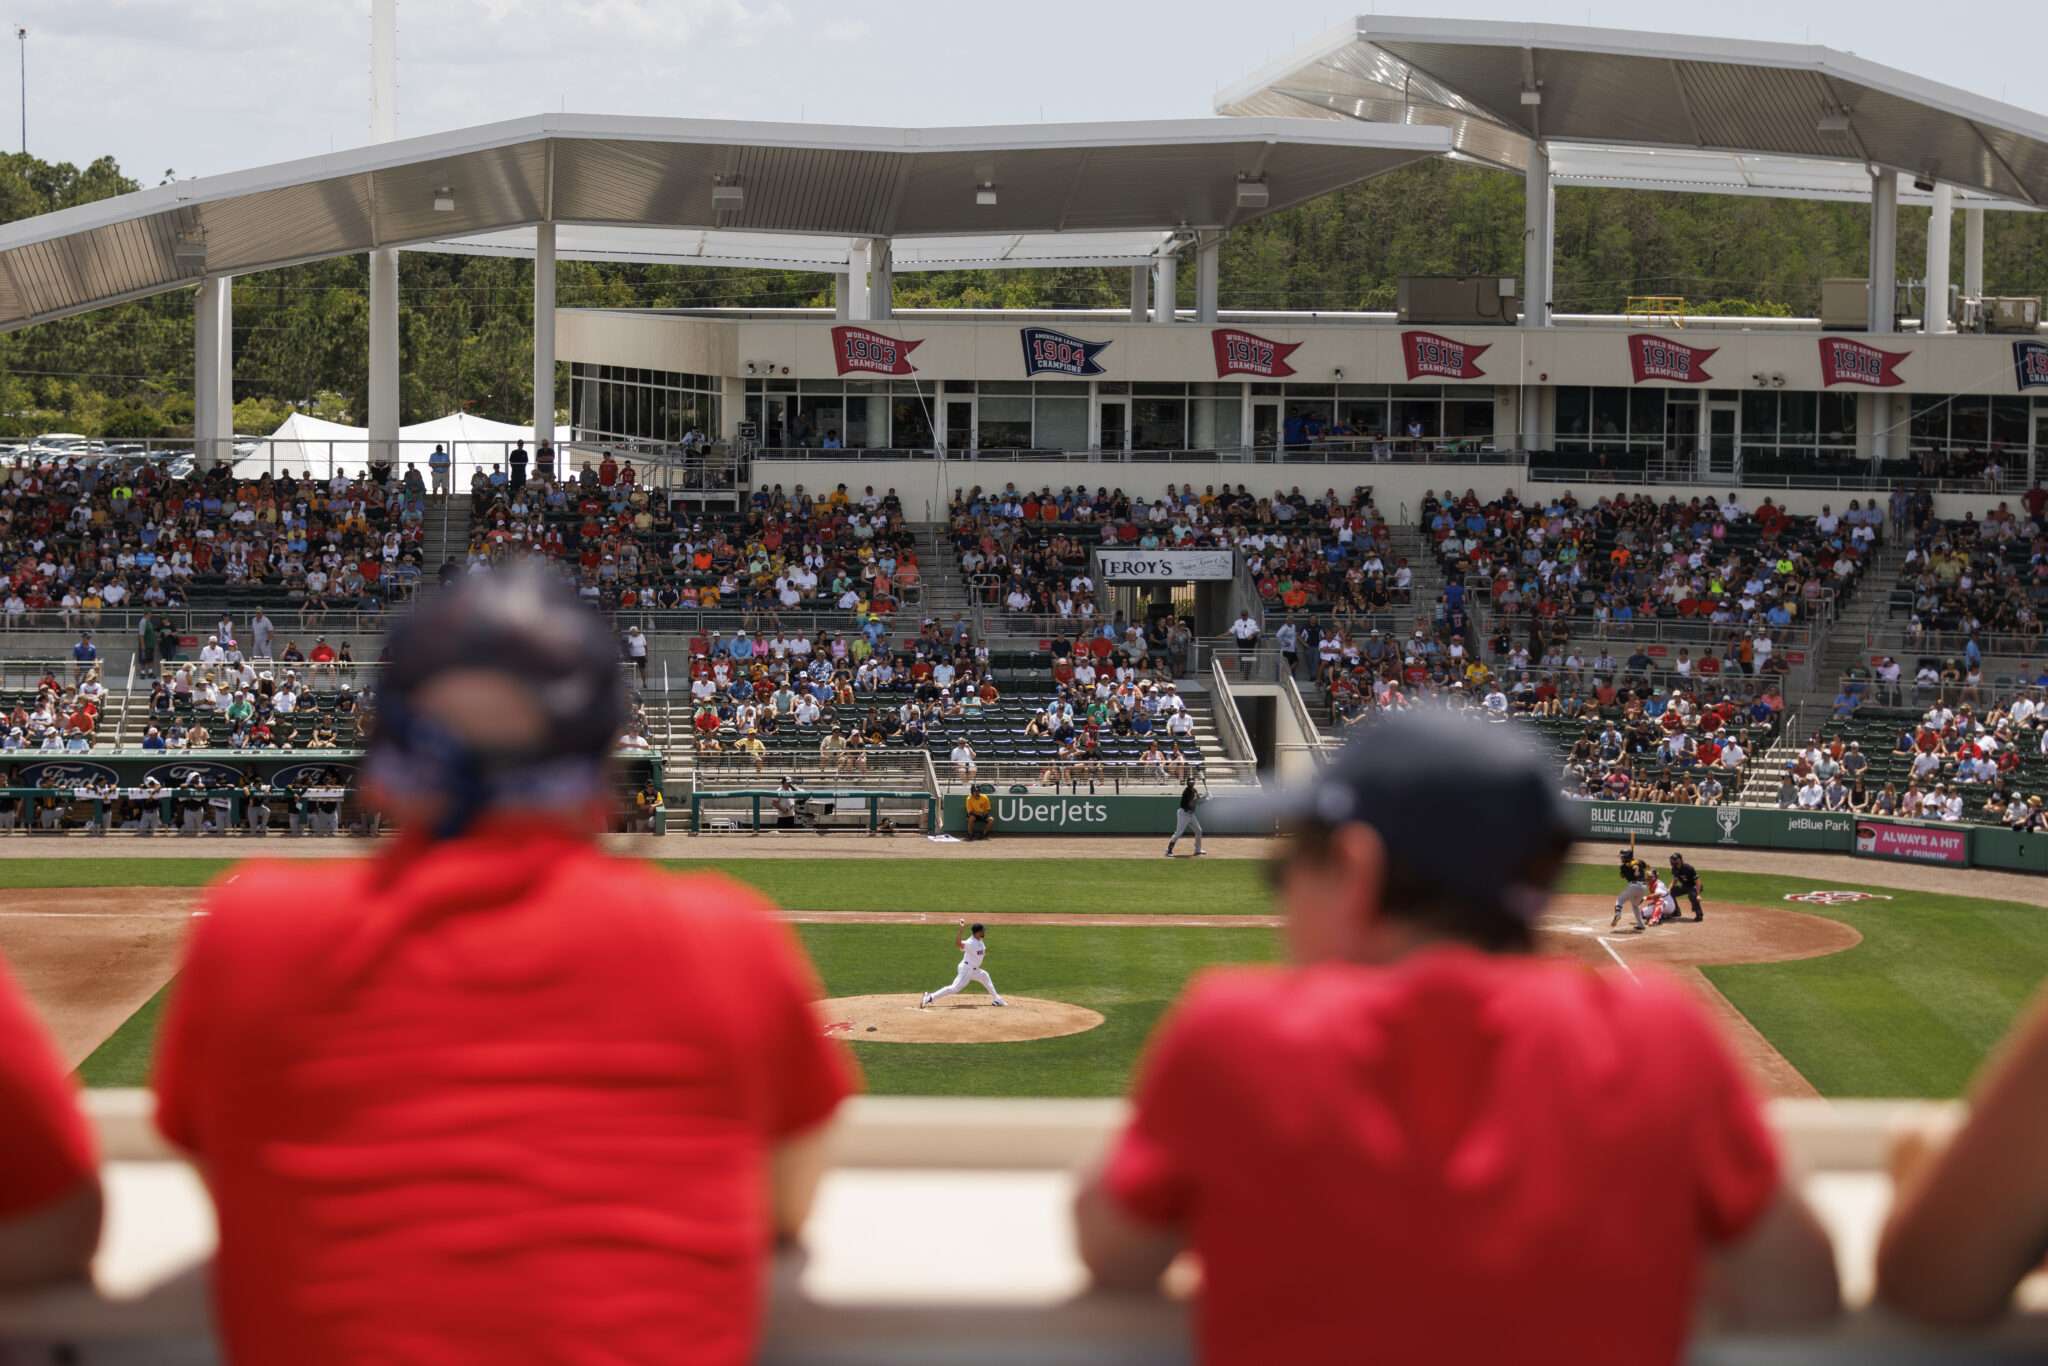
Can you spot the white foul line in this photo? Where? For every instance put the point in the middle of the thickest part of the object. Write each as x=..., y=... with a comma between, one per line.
x=1615, y=954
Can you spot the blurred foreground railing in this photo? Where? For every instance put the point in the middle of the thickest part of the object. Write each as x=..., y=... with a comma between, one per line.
x=872, y=1289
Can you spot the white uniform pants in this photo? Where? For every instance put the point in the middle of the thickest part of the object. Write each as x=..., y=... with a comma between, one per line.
x=965, y=976
x=1186, y=823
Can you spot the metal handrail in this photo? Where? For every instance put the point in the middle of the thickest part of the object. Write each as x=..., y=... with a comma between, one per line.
x=1230, y=725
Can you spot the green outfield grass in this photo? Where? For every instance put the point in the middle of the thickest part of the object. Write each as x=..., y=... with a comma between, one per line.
x=1909, y=1012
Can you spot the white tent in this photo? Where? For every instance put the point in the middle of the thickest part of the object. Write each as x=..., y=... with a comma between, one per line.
x=304, y=445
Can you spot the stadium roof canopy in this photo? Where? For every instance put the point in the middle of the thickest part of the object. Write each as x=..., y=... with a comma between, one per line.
x=745, y=178
x=817, y=251
x=1809, y=110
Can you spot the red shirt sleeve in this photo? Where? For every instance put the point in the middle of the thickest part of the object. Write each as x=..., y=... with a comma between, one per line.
x=1735, y=1158
x=1148, y=1172
x=49, y=1146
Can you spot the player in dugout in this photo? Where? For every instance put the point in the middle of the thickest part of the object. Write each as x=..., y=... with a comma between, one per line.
x=1421, y=1114
x=495, y=1095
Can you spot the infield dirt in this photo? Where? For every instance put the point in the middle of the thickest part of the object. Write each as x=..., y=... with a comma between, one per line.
x=957, y=1019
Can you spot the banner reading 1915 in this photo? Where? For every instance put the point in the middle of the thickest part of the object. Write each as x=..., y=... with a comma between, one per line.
x=1426, y=353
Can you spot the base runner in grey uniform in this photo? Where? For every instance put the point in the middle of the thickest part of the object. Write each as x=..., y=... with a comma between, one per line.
x=1185, y=820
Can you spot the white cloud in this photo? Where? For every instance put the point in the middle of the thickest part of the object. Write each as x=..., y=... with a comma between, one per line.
x=844, y=31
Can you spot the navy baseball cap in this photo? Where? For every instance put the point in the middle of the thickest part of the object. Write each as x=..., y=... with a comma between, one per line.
x=1464, y=805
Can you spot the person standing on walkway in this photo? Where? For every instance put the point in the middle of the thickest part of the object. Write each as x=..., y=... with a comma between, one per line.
x=438, y=465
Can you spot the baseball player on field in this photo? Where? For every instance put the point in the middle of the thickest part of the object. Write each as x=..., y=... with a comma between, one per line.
x=973, y=946
x=1185, y=821
x=1635, y=876
x=1685, y=882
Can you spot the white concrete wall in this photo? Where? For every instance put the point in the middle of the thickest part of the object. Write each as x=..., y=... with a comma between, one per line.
x=1366, y=352
x=926, y=486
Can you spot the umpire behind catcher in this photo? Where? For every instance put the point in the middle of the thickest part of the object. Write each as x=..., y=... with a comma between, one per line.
x=495, y=1095
x=1423, y=1142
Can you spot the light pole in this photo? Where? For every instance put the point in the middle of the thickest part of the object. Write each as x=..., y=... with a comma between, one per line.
x=21, y=38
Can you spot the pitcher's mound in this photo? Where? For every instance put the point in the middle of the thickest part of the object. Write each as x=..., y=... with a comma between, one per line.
x=957, y=1019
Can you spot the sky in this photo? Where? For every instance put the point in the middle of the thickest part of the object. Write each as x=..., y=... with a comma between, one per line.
x=199, y=87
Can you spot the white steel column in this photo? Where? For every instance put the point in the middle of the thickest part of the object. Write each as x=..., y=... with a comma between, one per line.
x=543, y=333
x=1208, y=278
x=224, y=370
x=881, y=279
x=1884, y=275
x=1934, y=318
x=857, y=297
x=1141, y=293
x=206, y=370
x=383, y=262
x=1973, y=253
x=1538, y=236
x=841, y=289
x=1164, y=293
x=384, y=356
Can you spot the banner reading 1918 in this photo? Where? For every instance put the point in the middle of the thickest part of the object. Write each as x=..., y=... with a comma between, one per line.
x=1852, y=362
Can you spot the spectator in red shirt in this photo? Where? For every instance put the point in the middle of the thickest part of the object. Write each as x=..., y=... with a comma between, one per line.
x=495, y=1095
x=49, y=1179
x=1423, y=1143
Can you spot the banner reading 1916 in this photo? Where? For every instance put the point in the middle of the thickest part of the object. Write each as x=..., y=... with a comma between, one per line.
x=1654, y=358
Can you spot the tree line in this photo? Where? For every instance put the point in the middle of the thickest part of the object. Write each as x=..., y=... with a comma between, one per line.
x=466, y=322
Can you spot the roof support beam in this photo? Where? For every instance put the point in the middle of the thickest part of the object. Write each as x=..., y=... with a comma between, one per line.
x=1940, y=226
x=212, y=326
x=1538, y=230
x=1165, y=291
x=1973, y=253
x=2003, y=165
x=384, y=355
x=1208, y=276
x=543, y=333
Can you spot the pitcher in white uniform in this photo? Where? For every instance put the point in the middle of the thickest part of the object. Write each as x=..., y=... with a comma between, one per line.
x=973, y=949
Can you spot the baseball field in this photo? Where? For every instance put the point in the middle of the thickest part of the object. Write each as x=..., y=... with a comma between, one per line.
x=1834, y=978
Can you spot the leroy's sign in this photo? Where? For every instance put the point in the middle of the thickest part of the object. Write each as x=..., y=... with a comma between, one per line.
x=1426, y=353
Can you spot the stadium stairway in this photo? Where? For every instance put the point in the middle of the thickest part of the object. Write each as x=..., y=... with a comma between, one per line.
x=447, y=528
x=1845, y=645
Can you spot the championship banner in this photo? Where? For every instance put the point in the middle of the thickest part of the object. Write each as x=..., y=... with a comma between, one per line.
x=1660, y=358
x=1425, y=353
x=2030, y=364
x=1165, y=566
x=1852, y=362
x=1919, y=843
x=1244, y=353
x=1047, y=352
x=856, y=348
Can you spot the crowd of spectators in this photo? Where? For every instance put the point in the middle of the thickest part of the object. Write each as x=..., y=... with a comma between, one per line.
x=1954, y=762
x=1967, y=580
x=80, y=539
x=56, y=715
x=1109, y=702
x=1627, y=559
x=626, y=548
x=1029, y=552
